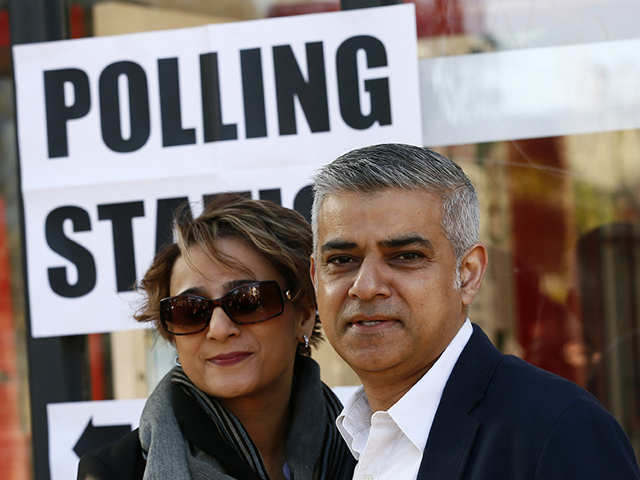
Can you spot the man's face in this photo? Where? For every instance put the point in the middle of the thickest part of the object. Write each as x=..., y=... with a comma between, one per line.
x=385, y=278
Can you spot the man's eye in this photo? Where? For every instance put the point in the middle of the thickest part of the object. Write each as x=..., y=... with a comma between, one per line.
x=408, y=256
x=339, y=260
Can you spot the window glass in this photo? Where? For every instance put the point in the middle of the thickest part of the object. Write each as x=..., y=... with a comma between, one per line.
x=560, y=214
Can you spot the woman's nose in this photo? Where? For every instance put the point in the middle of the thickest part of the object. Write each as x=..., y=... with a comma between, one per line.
x=221, y=326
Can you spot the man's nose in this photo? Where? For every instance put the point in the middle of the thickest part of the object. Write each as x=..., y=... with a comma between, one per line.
x=372, y=280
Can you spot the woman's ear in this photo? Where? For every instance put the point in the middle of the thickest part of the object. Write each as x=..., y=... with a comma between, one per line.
x=307, y=320
x=472, y=268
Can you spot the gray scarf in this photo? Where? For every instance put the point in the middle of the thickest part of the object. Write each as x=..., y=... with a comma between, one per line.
x=315, y=450
x=168, y=453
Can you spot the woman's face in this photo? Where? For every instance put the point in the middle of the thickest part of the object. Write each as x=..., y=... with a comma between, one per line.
x=228, y=360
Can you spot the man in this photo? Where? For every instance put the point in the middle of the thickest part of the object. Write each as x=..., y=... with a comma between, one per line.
x=396, y=265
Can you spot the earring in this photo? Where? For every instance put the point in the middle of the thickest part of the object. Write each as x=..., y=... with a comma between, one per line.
x=306, y=341
x=176, y=361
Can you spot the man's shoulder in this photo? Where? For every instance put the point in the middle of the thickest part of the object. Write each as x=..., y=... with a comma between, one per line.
x=518, y=418
x=514, y=383
x=519, y=393
x=531, y=382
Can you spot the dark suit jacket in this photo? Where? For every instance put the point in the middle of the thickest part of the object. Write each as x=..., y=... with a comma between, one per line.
x=502, y=418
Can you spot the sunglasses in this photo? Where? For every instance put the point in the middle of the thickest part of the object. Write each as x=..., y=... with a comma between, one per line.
x=251, y=303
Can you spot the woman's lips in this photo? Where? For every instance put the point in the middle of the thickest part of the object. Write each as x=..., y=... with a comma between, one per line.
x=232, y=358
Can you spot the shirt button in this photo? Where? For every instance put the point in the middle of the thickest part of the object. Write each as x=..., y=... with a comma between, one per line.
x=367, y=477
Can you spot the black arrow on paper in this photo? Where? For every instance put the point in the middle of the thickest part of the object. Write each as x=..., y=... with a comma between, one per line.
x=94, y=438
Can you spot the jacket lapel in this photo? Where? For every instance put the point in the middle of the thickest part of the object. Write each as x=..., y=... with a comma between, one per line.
x=450, y=440
x=454, y=430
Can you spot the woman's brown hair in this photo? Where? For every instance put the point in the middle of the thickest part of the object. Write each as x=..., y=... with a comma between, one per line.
x=282, y=235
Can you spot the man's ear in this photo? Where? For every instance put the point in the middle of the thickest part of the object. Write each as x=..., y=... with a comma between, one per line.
x=472, y=268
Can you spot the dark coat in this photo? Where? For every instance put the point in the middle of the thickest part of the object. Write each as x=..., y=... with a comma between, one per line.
x=502, y=418
x=121, y=460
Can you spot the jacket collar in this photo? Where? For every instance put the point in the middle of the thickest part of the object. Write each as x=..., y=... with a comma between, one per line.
x=454, y=430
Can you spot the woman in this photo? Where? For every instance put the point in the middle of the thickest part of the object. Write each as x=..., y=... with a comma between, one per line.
x=245, y=401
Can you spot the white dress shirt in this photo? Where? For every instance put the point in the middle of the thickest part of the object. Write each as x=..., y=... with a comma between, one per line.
x=389, y=445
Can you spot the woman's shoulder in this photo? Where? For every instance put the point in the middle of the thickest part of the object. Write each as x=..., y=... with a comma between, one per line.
x=122, y=460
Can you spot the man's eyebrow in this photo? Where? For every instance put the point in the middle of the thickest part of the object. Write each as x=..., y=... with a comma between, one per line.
x=406, y=241
x=398, y=242
x=338, y=245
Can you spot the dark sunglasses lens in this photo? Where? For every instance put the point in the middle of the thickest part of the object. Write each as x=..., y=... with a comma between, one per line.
x=185, y=314
x=254, y=303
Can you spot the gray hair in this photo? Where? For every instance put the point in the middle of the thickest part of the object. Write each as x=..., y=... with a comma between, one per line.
x=407, y=167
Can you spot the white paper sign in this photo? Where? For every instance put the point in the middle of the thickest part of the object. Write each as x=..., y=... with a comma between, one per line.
x=530, y=93
x=79, y=427
x=113, y=131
